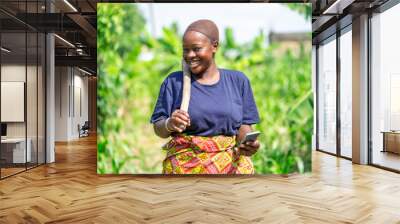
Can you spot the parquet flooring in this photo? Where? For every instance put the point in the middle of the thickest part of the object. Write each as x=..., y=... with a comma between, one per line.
x=9, y=171
x=70, y=191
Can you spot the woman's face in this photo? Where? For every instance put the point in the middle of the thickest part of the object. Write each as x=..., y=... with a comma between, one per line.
x=198, y=51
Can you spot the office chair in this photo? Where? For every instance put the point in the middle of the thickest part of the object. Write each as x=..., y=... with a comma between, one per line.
x=84, y=130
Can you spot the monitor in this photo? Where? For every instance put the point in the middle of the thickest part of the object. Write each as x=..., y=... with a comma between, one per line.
x=3, y=129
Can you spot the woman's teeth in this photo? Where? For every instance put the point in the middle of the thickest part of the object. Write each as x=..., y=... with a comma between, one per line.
x=194, y=63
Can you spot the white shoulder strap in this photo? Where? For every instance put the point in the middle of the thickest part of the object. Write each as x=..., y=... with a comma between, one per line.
x=186, y=87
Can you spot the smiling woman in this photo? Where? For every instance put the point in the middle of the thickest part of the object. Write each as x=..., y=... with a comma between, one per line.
x=221, y=111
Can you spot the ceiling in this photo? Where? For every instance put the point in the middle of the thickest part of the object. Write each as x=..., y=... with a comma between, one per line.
x=74, y=22
x=330, y=15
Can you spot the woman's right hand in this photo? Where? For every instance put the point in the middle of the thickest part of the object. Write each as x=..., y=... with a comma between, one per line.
x=178, y=121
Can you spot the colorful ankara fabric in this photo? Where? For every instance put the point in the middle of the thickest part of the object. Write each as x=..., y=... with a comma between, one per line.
x=188, y=154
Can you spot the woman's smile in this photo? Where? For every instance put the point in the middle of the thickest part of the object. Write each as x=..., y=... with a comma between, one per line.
x=194, y=63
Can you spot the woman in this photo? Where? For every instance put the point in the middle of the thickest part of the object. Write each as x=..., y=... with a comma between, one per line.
x=221, y=111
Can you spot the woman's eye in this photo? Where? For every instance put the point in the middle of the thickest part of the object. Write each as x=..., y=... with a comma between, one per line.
x=197, y=49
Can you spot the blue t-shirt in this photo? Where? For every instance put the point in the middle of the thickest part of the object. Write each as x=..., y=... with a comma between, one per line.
x=217, y=109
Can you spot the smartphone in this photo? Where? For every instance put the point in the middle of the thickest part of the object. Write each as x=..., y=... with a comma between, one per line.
x=251, y=136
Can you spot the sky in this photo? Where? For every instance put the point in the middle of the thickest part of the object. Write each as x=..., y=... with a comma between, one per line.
x=248, y=18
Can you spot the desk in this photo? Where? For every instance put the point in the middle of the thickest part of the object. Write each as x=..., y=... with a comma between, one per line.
x=16, y=148
x=391, y=141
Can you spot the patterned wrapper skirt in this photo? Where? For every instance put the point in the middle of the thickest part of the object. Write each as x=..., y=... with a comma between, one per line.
x=204, y=155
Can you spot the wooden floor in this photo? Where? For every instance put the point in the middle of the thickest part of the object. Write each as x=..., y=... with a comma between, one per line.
x=386, y=159
x=70, y=191
x=10, y=171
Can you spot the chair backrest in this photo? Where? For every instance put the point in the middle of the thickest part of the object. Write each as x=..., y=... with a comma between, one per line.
x=86, y=125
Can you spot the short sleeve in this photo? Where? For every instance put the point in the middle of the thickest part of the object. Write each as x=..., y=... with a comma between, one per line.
x=250, y=112
x=163, y=107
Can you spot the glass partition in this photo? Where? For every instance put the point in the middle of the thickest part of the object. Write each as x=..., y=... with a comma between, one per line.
x=22, y=88
x=327, y=96
x=346, y=94
x=32, y=90
x=31, y=101
x=15, y=150
x=385, y=89
x=41, y=85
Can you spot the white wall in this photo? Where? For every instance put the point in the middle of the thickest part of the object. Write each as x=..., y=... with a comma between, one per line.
x=14, y=72
x=80, y=109
x=62, y=81
x=71, y=87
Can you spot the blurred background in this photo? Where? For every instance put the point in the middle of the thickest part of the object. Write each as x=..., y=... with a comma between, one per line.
x=138, y=45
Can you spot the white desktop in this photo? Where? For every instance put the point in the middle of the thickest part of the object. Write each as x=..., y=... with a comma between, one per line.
x=18, y=146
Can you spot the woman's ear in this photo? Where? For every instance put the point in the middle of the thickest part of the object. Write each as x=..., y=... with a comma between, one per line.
x=215, y=45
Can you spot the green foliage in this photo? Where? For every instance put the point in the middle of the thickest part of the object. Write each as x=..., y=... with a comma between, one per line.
x=303, y=8
x=132, y=66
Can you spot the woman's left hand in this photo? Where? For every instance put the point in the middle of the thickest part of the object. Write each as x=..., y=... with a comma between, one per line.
x=249, y=148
